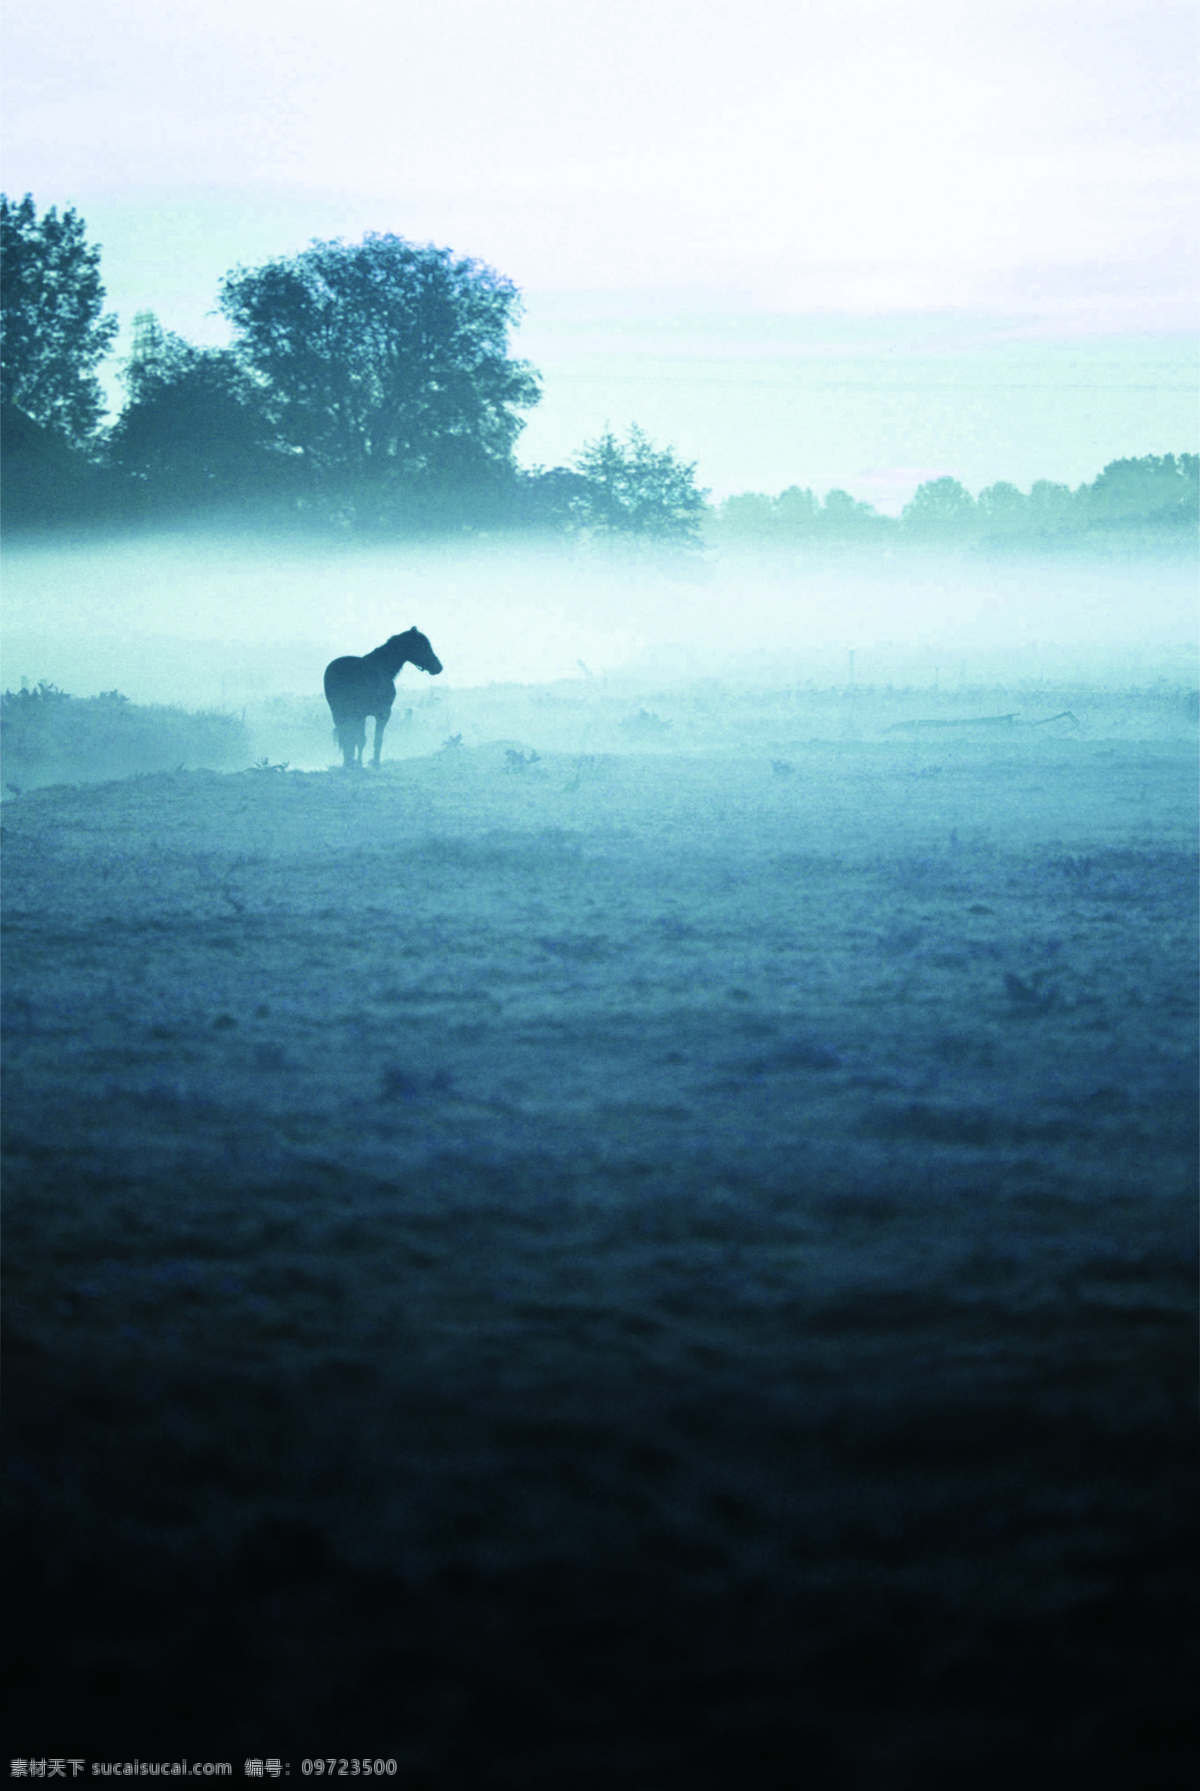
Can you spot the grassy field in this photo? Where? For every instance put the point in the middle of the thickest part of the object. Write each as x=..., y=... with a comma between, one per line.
x=670, y=1263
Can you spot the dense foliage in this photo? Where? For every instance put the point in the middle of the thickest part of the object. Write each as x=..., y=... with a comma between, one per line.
x=195, y=427
x=635, y=488
x=54, y=331
x=385, y=370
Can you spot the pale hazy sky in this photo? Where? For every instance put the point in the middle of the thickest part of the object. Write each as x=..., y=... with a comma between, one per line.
x=1004, y=179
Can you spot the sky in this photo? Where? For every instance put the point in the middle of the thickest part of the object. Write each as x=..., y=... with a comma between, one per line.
x=847, y=242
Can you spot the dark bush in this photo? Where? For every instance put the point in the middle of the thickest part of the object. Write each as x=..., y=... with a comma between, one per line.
x=50, y=737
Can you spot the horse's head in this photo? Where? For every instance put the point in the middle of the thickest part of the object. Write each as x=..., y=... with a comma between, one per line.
x=417, y=651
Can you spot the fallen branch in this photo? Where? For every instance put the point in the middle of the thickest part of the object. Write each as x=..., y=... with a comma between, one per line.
x=975, y=721
x=1063, y=715
x=985, y=721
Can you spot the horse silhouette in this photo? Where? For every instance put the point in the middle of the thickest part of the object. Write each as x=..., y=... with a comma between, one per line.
x=356, y=688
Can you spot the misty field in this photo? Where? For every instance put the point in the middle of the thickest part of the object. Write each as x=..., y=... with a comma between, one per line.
x=670, y=1267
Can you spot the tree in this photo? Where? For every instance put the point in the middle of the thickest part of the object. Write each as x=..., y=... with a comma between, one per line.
x=546, y=500
x=1003, y=509
x=386, y=368
x=750, y=515
x=798, y=510
x=1053, y=509
x=54, y=329
x=1156, y=489
x=195, y=428
x=940, y=507
x=637, y=489
x=847, y=518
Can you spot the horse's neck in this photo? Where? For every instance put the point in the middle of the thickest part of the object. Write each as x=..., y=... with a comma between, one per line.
x=390, y=660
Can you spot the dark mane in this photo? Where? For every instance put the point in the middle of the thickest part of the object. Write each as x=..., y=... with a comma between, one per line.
x=394, y=653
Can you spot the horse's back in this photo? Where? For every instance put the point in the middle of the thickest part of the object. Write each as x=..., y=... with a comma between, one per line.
x=340, y=673
x=358, y=686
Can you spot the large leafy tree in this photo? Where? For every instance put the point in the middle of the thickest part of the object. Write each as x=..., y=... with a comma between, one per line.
x=634, y=488
x=54, y=330
x=385, y=365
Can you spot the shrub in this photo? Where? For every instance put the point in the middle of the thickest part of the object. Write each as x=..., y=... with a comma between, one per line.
x=49, y=737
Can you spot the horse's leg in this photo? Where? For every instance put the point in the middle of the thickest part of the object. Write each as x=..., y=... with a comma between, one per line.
x=352, y=738
x=381, y=722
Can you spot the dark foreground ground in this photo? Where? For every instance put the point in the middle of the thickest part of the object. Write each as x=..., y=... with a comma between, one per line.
x=640, y=1271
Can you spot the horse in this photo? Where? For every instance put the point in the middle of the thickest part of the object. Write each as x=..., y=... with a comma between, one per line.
x=356, y=688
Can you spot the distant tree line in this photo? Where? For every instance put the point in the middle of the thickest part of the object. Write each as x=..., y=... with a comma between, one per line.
x=369, y=386
x=1158, y=494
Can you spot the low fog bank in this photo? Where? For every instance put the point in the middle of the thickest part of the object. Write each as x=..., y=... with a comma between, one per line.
x=774, y=724
x=228, y=621
x=555, y=735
